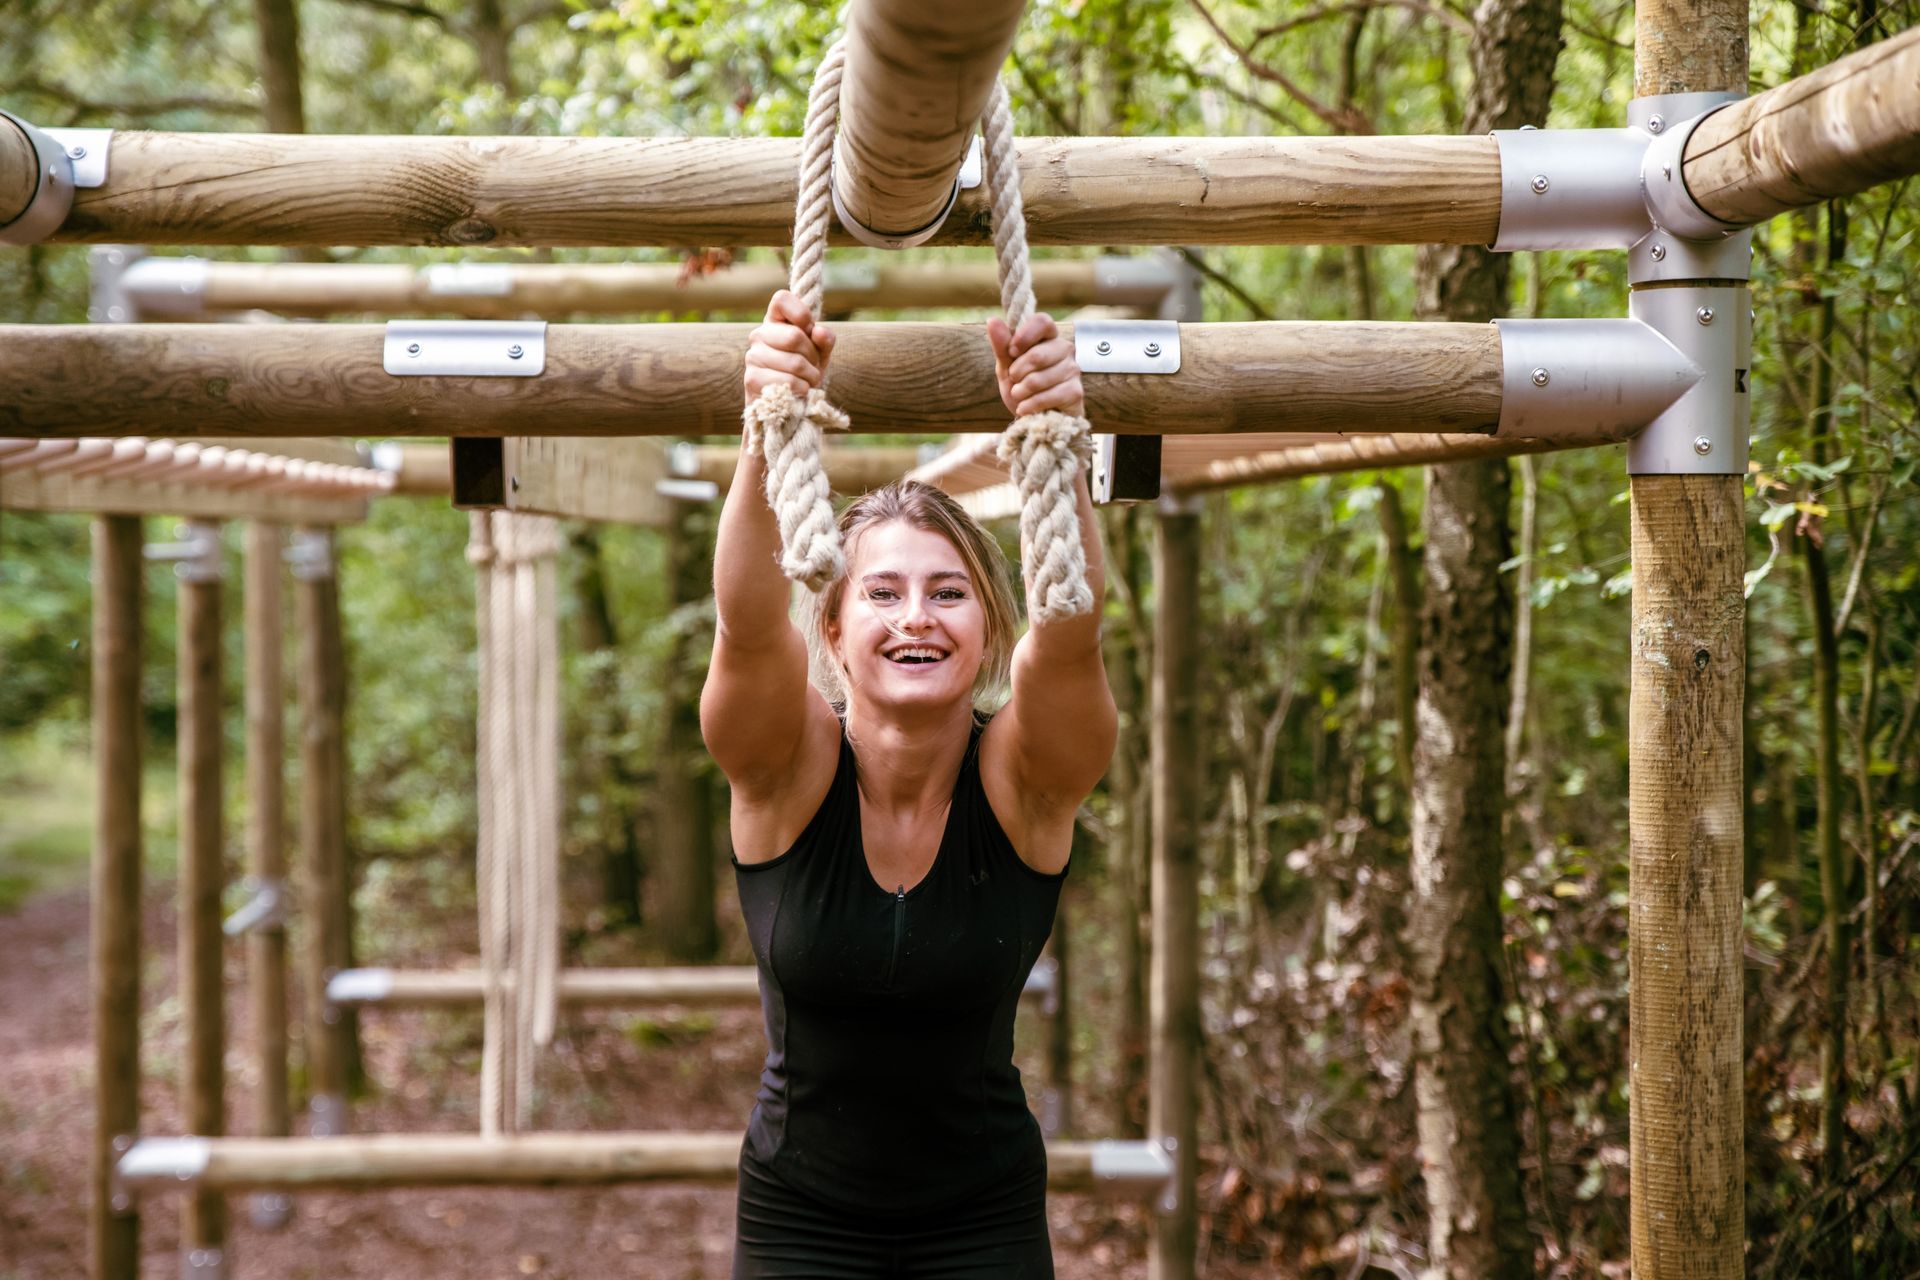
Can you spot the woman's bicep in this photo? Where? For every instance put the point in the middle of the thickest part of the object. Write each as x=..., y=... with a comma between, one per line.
x=756, y=705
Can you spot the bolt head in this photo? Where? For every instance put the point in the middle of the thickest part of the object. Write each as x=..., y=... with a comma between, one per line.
x=413, y=348
x=1666, y=171
x=1658, y=252
x=116, y=313
x=515, y=351
x=76, y=153
x=1539, y=184
x=1704, y=315
x=121, y=1203
x=1153, y=349
x=1541, y=377
x=1702, y=446
x=1656, y=124
x=1104, y=347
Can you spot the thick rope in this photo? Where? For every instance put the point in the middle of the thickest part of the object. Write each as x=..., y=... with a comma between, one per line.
x=782, y=427
x=1044, y=452
x=493, y=1072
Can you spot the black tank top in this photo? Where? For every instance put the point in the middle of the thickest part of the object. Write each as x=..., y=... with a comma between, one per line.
x=889, y=1084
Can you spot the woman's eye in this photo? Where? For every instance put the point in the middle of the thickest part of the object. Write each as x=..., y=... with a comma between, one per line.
x=881, y=594
x=950, y=593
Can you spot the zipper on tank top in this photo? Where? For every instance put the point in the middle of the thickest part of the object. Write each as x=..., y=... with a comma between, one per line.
x=899, y=926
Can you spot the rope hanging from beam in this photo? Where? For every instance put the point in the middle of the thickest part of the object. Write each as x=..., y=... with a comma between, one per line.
x=1044, y=452
x=518, y=770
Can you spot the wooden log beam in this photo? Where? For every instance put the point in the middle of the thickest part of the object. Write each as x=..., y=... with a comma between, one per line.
x=19, y=172
x=174, y=495
x=916, y=83
x=294, y=189
x=1686, y=810
x=163, y=288
x=113, y=1222
x=387, y=1161
x=684, y=380
x=850, y=468
x=1849, y=126
x=460, y=988
x=613, y=480
x=1358, y=453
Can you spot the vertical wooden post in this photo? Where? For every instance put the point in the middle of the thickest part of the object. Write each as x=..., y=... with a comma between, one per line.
x=114, y=1222
x=203, y=1215
x=1174, y=999
x=266, y=844
x=1688, y=672
x=324, y=882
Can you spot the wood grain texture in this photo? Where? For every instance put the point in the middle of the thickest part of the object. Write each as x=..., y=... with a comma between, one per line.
x=361, y=1163
x=108, y=495
x=1358, y=453
x=287, y=189
x=684, y=380
x=19, y=172
x=1173, y=998
x=1842, y=129
x=1689, y=46
x=1686, y=817
x=114, y=936
x=325, y=880
x=554, y=290
x=202, y=879
x=916, y=83
x=610, y=480
x=266, y=818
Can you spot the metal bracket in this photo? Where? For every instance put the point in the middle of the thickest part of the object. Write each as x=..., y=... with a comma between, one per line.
x=195, y=557
x=1125, y=468
x=264, y=909
x=309, y=555
x=1127, y=346
x=162, y=286
x=170, y=1160
x=119, y=1195
x=685, y=490
x=1136, y=1167
x=107, y=266
x=1619, y=189
x=465, y=348
x=468, y=279
x=1704, y=432
x=269, y=1210
x=87, y=152
x=53, y=194
x=359, y=986
x=1587, y=378
x=327, y=1116
x=971, y=167
x=203, y=1264
x=1044, y=980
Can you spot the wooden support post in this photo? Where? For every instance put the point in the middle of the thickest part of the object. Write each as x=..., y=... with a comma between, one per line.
x=1685, y=807
x=1850, y=125
x=266, y=841
x=293, y=189
x=114, y=1225
x=76, y=380
x=1174, y=996
x=203, y=1222
x=325, y=880
x=916, y=83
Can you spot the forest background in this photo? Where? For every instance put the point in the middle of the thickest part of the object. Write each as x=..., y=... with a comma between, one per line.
x=1333, y=611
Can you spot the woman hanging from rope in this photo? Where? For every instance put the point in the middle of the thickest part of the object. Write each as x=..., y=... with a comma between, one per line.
x=899, y=848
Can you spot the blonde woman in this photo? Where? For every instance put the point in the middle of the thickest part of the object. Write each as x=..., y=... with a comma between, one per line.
x=899, y=847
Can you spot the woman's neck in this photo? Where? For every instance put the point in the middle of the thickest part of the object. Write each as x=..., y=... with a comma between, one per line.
x=908, y=764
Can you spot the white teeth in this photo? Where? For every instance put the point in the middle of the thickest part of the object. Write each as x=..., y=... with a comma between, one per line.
x=927, y=655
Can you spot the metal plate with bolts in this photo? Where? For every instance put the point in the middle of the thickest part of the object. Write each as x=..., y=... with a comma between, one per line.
x=468, y=279
x=309, y=555
x=1570, y=188
x=203, y=1264
x=465, y=348
x=87, y=152
x=196, y=556
x=1705, y=431
x=1127, y=346
x=168, y=1160
x=327, y=1116
x=360, y=986
x=269, y=1210
x=1585, y=378
x=1132, y=1166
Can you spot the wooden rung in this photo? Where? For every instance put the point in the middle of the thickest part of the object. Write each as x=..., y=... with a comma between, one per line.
x=533, y=1160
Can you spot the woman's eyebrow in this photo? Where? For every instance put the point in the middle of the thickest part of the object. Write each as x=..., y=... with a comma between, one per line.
x=946, y=575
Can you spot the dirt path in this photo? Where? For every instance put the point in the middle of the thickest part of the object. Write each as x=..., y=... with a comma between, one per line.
x=617, y=1072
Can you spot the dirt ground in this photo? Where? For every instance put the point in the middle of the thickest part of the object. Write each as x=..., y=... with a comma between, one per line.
x=696, y=1071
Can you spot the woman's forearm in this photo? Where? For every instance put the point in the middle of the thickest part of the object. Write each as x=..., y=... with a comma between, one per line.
x=750, y=592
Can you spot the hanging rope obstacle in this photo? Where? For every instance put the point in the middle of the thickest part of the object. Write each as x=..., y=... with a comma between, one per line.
x=1045, y=453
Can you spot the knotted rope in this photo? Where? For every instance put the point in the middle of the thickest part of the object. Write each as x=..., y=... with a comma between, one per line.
x=519, y=808
x=1044, y=452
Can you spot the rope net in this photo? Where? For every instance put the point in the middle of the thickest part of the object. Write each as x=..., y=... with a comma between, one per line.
x=1045, y=453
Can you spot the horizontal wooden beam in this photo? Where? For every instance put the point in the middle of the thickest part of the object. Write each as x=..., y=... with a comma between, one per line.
x=1849, y=126
x=298, y=189
x=459, y=988
x=685, y=380
x=163, y=288
x=386, y=1161
x=609, y=479
x=19, y=172
x=1362, y=453
x=850, y=468
x=204, y=481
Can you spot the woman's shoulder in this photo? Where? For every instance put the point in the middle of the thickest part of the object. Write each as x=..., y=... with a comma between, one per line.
x=768, y=819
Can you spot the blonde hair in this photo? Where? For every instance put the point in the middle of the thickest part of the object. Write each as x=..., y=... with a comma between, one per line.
x=921, y=506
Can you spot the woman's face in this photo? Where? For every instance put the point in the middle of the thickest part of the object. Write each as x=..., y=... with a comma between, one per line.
x=912, y=631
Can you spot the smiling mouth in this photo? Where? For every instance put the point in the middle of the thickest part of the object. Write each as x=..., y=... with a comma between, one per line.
x=916, y=656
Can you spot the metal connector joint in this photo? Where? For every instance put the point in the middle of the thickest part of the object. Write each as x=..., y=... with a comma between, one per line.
x=1704, y=431
x=971, y=168
x=53, y=191
x=265, y=908
x=1587, y=379
x=196, y=556
x=309, y=555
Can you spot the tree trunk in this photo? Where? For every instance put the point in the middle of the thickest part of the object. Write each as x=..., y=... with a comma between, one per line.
x=1467, y=1113
x=683, y=813
x=1406, y=623
x=279, y=25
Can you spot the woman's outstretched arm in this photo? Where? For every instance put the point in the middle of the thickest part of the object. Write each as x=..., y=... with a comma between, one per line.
x=1061, y=718
x=756, y=705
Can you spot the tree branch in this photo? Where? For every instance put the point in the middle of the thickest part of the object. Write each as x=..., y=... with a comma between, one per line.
x=1245, y=299
x=1312, y=16
x=81, y=108
x=402, y=8
x=1340, y=120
